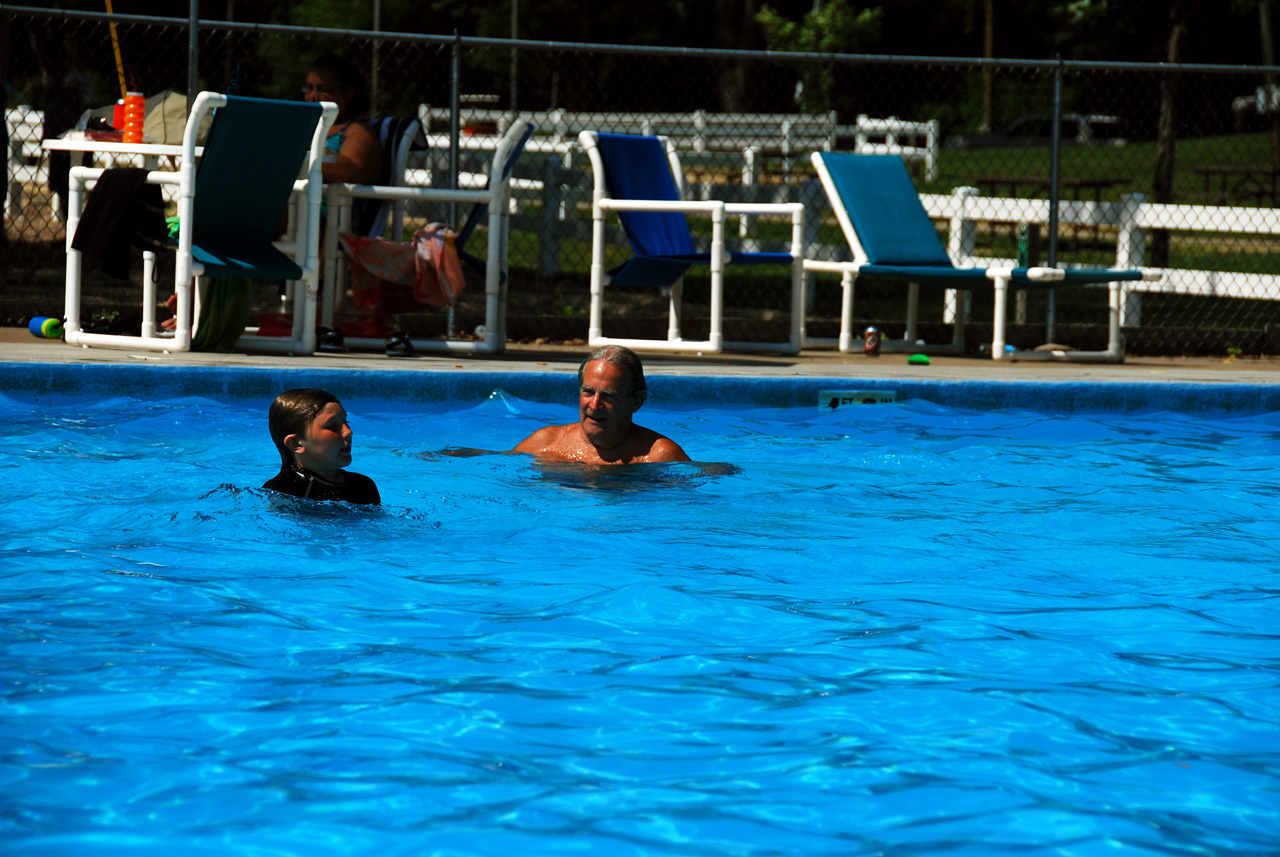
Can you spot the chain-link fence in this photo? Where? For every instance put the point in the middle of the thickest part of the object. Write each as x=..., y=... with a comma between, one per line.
x=1162, y=166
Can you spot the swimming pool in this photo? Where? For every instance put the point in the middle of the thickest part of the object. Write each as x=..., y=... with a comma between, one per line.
x=916, y=628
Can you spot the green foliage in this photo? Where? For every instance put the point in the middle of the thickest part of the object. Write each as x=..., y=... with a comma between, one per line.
x=835, y=28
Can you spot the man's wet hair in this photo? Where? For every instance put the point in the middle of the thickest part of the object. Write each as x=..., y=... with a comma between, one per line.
x=291, y=413
x=626, y=360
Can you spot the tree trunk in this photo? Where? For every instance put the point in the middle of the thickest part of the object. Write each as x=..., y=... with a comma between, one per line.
x=1269, y=81
x=1166, y=132
x=735, y=27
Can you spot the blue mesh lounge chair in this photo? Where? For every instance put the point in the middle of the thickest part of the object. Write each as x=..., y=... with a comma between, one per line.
x=491, y=202
x=891, y=236
x=636, y=177
x=398, y=134
x=230, y=207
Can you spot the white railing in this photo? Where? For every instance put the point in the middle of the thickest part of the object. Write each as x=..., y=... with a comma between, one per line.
x=886, y=137
x=752, y=134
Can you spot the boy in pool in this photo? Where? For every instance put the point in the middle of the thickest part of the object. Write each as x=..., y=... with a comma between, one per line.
x=310, y=430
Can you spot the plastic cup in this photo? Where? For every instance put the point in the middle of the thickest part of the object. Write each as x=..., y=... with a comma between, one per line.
x=117, y=116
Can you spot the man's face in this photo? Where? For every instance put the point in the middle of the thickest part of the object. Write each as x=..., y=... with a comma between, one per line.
x=605, y=404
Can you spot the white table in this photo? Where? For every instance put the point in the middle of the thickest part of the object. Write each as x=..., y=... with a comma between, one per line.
x=151, y=152
x=79, y=145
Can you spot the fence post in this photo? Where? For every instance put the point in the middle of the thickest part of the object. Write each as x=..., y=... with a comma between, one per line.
x=933, y=137
x=749, y=177
x=552, y=203
x=788, y=137
x=962, y=236
x=813, y=198
x=559, y=124
x=1131, y=248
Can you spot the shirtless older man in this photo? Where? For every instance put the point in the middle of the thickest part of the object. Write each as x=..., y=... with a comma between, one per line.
x=611, y=389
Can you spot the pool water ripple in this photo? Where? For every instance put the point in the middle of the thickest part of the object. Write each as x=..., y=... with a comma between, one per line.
x=903, y=630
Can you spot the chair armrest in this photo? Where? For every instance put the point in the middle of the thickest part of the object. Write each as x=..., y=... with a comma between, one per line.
x=427, y=194
x=1038, y=275
x=792, y=208
x=693, y=207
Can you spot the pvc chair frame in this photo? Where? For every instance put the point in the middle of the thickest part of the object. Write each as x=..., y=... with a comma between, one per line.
x=495, y=198
x=908, y=250
x=718, y=257
x=304, y=217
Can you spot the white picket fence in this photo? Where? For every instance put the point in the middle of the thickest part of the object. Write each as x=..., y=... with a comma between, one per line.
x=25, y=126
x=751, y=134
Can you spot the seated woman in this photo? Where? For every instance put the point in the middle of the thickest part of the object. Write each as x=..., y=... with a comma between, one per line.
x=353, y=153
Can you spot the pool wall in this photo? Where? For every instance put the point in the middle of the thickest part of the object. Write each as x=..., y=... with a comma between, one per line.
x=54, y=383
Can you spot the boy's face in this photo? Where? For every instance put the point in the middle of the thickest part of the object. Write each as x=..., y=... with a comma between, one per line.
x=325, y=447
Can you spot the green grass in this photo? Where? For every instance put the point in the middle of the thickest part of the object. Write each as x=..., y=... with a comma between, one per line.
x=1131, y=167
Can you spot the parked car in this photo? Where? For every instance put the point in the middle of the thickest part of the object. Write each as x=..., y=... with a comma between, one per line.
x=1036, y=129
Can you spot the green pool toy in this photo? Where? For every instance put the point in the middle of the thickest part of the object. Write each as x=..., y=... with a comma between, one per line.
x=918, y=360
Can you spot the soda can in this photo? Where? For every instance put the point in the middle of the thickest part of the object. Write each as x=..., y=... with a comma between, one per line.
x=871, y=342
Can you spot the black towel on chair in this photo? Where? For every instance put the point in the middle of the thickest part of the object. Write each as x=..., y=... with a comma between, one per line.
x=122, y=211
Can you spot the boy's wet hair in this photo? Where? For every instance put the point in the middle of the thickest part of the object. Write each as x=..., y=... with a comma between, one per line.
x=291, y=413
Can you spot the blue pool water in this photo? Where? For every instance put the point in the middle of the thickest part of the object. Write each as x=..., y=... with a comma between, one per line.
x=898, y=629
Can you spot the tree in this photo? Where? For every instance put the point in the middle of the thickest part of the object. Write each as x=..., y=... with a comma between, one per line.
x=837, y=28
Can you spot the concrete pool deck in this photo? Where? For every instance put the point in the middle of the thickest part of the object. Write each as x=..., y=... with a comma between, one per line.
x=17, y=345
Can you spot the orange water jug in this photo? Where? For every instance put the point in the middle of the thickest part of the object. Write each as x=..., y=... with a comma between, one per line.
x=135, y=113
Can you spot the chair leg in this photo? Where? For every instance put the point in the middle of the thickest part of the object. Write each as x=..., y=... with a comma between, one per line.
x=148, y=293
x=595, y=330
x=75, y=203
x=675, y=310
x=799, y=301
x=846, y=310
x=716, y=336
x=998, y=319
x=913, y=312
x=961, y=316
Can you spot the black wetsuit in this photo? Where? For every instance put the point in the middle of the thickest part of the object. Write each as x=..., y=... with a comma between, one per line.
x=303, y=483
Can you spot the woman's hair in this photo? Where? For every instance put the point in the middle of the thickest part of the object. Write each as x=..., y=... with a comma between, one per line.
x=291, y=413
x=626, y=360
x=345, y=74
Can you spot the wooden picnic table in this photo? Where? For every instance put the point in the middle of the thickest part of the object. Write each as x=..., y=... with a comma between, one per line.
x=1240, y=184
x=1039, y=185
x=1077, y=185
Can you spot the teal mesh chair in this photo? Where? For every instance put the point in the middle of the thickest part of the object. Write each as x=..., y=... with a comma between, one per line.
x=892, y=237
x=231, y=200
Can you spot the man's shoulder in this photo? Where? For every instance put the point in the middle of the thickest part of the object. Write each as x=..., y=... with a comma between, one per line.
x=544, y=438
x=661, y=448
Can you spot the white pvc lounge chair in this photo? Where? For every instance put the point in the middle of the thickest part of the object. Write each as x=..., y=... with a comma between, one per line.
x=891, y=236
x=229, y=208
x=636, y=177
x=493, y=201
